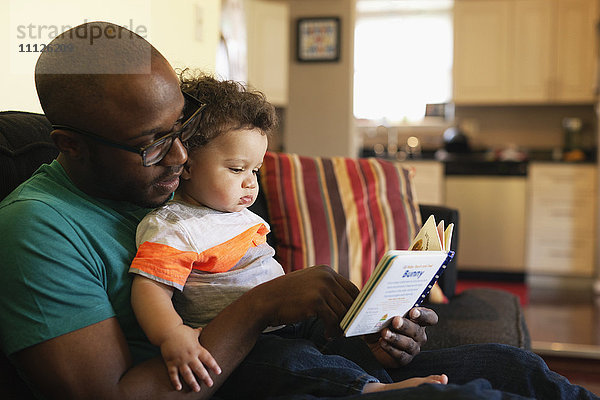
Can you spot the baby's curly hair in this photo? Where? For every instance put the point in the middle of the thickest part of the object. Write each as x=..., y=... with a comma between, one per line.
x=229, y=105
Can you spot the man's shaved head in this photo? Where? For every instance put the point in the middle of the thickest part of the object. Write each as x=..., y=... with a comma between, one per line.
x=73, y=82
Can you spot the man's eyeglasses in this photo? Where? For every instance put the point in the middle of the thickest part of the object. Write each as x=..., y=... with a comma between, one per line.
x=154, y=152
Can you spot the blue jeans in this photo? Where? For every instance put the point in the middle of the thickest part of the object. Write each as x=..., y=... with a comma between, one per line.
x=298, y=363
x=298, y=359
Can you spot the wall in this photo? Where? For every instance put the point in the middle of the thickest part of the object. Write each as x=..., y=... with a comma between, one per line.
x=319, y=119
x=532, y=127
x=185, y=31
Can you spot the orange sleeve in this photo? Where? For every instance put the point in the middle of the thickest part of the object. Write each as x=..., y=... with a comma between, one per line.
x=164, y=262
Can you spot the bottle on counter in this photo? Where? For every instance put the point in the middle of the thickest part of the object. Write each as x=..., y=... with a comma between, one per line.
x=573, y=139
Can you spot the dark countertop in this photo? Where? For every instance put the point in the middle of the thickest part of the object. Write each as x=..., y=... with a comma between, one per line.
x=484, y=163
x=497, y=168
x=481, y=163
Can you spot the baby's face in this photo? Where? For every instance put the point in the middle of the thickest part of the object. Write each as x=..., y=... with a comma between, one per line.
x=222, y=174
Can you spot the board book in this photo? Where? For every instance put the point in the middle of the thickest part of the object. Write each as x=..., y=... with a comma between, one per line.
x=401, y=280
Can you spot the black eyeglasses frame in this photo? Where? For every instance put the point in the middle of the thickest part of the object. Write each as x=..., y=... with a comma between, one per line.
x=143, y=151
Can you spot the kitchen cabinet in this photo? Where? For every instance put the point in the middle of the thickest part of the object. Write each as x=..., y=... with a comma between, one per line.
x=561, y=237
x=428, y=181
x=576, y=36
x=524, y=51
x=492, y=221
x=268, y=48
x=481, y=46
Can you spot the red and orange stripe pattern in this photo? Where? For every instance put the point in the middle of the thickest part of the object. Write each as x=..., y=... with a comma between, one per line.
x=343, y=212
x=173, y=266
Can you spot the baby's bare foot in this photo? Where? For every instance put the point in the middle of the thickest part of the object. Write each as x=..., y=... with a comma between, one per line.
x=412, y=382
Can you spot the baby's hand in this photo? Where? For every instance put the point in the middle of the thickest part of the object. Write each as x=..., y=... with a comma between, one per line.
x=184, y=356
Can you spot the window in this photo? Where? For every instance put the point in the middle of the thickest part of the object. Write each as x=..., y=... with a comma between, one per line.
x=402, y=58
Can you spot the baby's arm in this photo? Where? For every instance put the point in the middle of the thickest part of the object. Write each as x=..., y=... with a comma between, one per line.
x=178, y=343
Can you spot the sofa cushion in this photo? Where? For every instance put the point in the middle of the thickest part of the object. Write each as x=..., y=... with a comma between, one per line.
x=343, y=212
x=479, y=315
x=25, y=144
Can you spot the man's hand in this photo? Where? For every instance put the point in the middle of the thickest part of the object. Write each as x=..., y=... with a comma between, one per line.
x=312, y=292
x=401, y=341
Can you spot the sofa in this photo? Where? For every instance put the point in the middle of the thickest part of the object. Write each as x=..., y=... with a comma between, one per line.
x=472, y=316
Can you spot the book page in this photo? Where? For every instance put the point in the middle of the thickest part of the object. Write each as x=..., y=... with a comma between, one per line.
x=440, y=231
x=448, y=236
x=428, y=237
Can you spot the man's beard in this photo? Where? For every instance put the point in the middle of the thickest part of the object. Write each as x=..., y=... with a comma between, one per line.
x=121, y=187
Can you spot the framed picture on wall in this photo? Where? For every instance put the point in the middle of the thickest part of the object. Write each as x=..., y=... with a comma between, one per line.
x=318, y=39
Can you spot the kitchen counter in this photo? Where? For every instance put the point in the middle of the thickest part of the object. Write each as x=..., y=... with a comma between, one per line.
x=483, y=162
x=528, y=217
x=497, y=168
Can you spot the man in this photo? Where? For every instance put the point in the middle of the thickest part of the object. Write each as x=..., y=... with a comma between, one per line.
x=68, y=238
x=106, y=98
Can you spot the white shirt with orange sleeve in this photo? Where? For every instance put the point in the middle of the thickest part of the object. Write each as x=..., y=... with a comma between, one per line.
x=210, y=257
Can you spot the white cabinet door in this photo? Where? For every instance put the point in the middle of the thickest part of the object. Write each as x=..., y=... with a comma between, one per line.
x=429, y=181
x=492, y=221
x=576, y=40
x=531, y=71
x=561, y=226
x=482, y=40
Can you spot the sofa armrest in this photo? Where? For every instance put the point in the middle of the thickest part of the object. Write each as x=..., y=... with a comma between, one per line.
x=450, y=216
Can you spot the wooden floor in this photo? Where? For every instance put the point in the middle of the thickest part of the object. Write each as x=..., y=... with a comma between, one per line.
x=565, y=330
x=582, y=372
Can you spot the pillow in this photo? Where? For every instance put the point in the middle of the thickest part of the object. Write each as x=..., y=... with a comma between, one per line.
x=343, y=212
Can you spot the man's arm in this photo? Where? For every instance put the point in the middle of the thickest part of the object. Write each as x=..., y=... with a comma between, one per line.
x=94, y=362
x=311, y=292
x=89, y=362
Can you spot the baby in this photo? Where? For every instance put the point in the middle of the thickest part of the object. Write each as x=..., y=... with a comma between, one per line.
x=204, y=249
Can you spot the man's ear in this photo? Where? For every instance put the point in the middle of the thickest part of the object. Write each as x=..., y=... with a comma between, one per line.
x=68, y=143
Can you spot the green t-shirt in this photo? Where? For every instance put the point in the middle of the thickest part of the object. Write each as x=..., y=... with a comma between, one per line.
x=64, y=258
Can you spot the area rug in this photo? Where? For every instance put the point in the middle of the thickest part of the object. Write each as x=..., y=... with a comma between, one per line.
x=517, y=288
